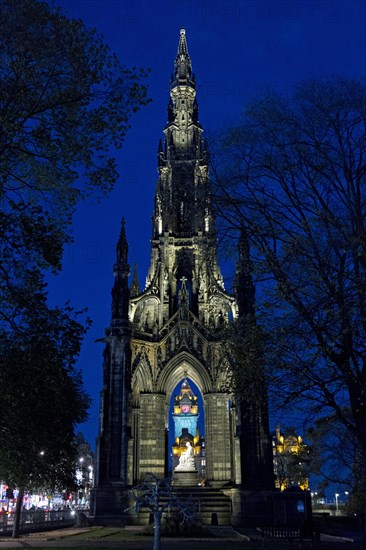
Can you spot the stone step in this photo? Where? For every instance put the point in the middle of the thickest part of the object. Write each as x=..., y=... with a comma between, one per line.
x=214, y=506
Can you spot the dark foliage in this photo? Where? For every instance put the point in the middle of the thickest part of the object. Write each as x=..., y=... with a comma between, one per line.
x=65, y=105
x=293, y=174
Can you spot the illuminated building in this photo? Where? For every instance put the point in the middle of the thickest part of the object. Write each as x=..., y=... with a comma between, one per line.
x=289, y=461
x=171, y=331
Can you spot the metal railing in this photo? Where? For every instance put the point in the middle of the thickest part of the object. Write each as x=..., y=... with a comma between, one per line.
x=37, y=520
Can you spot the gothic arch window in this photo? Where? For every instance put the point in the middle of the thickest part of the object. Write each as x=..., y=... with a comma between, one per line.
x=142, y=376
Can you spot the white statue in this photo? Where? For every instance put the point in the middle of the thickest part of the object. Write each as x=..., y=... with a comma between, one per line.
x=186, y=460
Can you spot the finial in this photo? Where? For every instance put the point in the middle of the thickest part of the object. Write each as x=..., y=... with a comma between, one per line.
x=183, y=65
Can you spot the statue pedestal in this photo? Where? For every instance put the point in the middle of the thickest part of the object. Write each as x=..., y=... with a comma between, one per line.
x=185, y=478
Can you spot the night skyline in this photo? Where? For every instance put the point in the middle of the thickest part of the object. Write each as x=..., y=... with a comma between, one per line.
x=236, y=48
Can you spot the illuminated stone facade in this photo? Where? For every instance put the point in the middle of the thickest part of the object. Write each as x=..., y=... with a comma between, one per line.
x=175, y=318
x=171, y=330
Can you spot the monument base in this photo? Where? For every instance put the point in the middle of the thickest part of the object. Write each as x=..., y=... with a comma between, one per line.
x=251, y=508
x=108, y=505
x=185, y=478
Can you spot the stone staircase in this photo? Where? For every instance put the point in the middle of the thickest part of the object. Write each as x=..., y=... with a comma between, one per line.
x=214, y=506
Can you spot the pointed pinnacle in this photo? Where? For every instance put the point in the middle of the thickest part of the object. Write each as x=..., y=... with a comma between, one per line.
x=135, y=286
x=183, y=65
x=122, y=246
x=182, y=46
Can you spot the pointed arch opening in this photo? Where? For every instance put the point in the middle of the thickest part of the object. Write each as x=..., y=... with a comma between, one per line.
x=183, y=365
x=186, y=423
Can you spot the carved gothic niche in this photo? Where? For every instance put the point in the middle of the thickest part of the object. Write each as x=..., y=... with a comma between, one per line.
x=224, y=380
x=142, y=375
x=219, y=309
x=182, y=337
x=146, y=313
x=184, y=264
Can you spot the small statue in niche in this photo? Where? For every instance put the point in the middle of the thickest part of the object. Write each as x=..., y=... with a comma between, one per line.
x=183, y=335
x=177, y=339
x=186, y=459
x=199, y=346
x=147, y=321
x=166, y=286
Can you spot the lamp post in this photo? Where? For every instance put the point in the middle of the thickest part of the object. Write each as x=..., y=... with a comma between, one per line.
x=82, y=483
x=89, y=486
x=336, y=499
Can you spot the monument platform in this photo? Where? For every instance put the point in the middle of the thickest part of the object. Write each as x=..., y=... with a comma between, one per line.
x=214, y=506
x=185, y=478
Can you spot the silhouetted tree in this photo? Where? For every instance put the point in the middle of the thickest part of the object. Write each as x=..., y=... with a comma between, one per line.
x=293, y=174
x=43, y=400
x=65, y=105
x=157, y=495
x=336, y=460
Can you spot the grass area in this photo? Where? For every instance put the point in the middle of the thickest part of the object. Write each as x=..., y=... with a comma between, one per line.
x=117, y=534
x=108, y=534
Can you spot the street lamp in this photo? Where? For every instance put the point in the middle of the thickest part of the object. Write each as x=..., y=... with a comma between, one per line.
x=336, y=497
x=80, y=494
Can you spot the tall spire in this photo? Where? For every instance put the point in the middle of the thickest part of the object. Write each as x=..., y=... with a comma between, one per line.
x=121, y=271
x=183, y=65
x=182, y=200
x=122, y=246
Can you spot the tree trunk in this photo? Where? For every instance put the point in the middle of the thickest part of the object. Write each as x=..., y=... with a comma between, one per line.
x=18, y=510
x=363, y=514
x=157, y=530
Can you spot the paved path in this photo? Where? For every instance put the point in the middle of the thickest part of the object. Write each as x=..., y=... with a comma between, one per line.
x=226, y=540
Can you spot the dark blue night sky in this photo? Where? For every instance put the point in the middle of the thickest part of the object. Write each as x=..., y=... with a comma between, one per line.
x=236, y=48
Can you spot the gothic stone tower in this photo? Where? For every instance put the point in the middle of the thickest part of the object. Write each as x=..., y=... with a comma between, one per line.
x=171, y=330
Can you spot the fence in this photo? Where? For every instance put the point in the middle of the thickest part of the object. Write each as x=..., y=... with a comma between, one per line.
x=37, y=520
